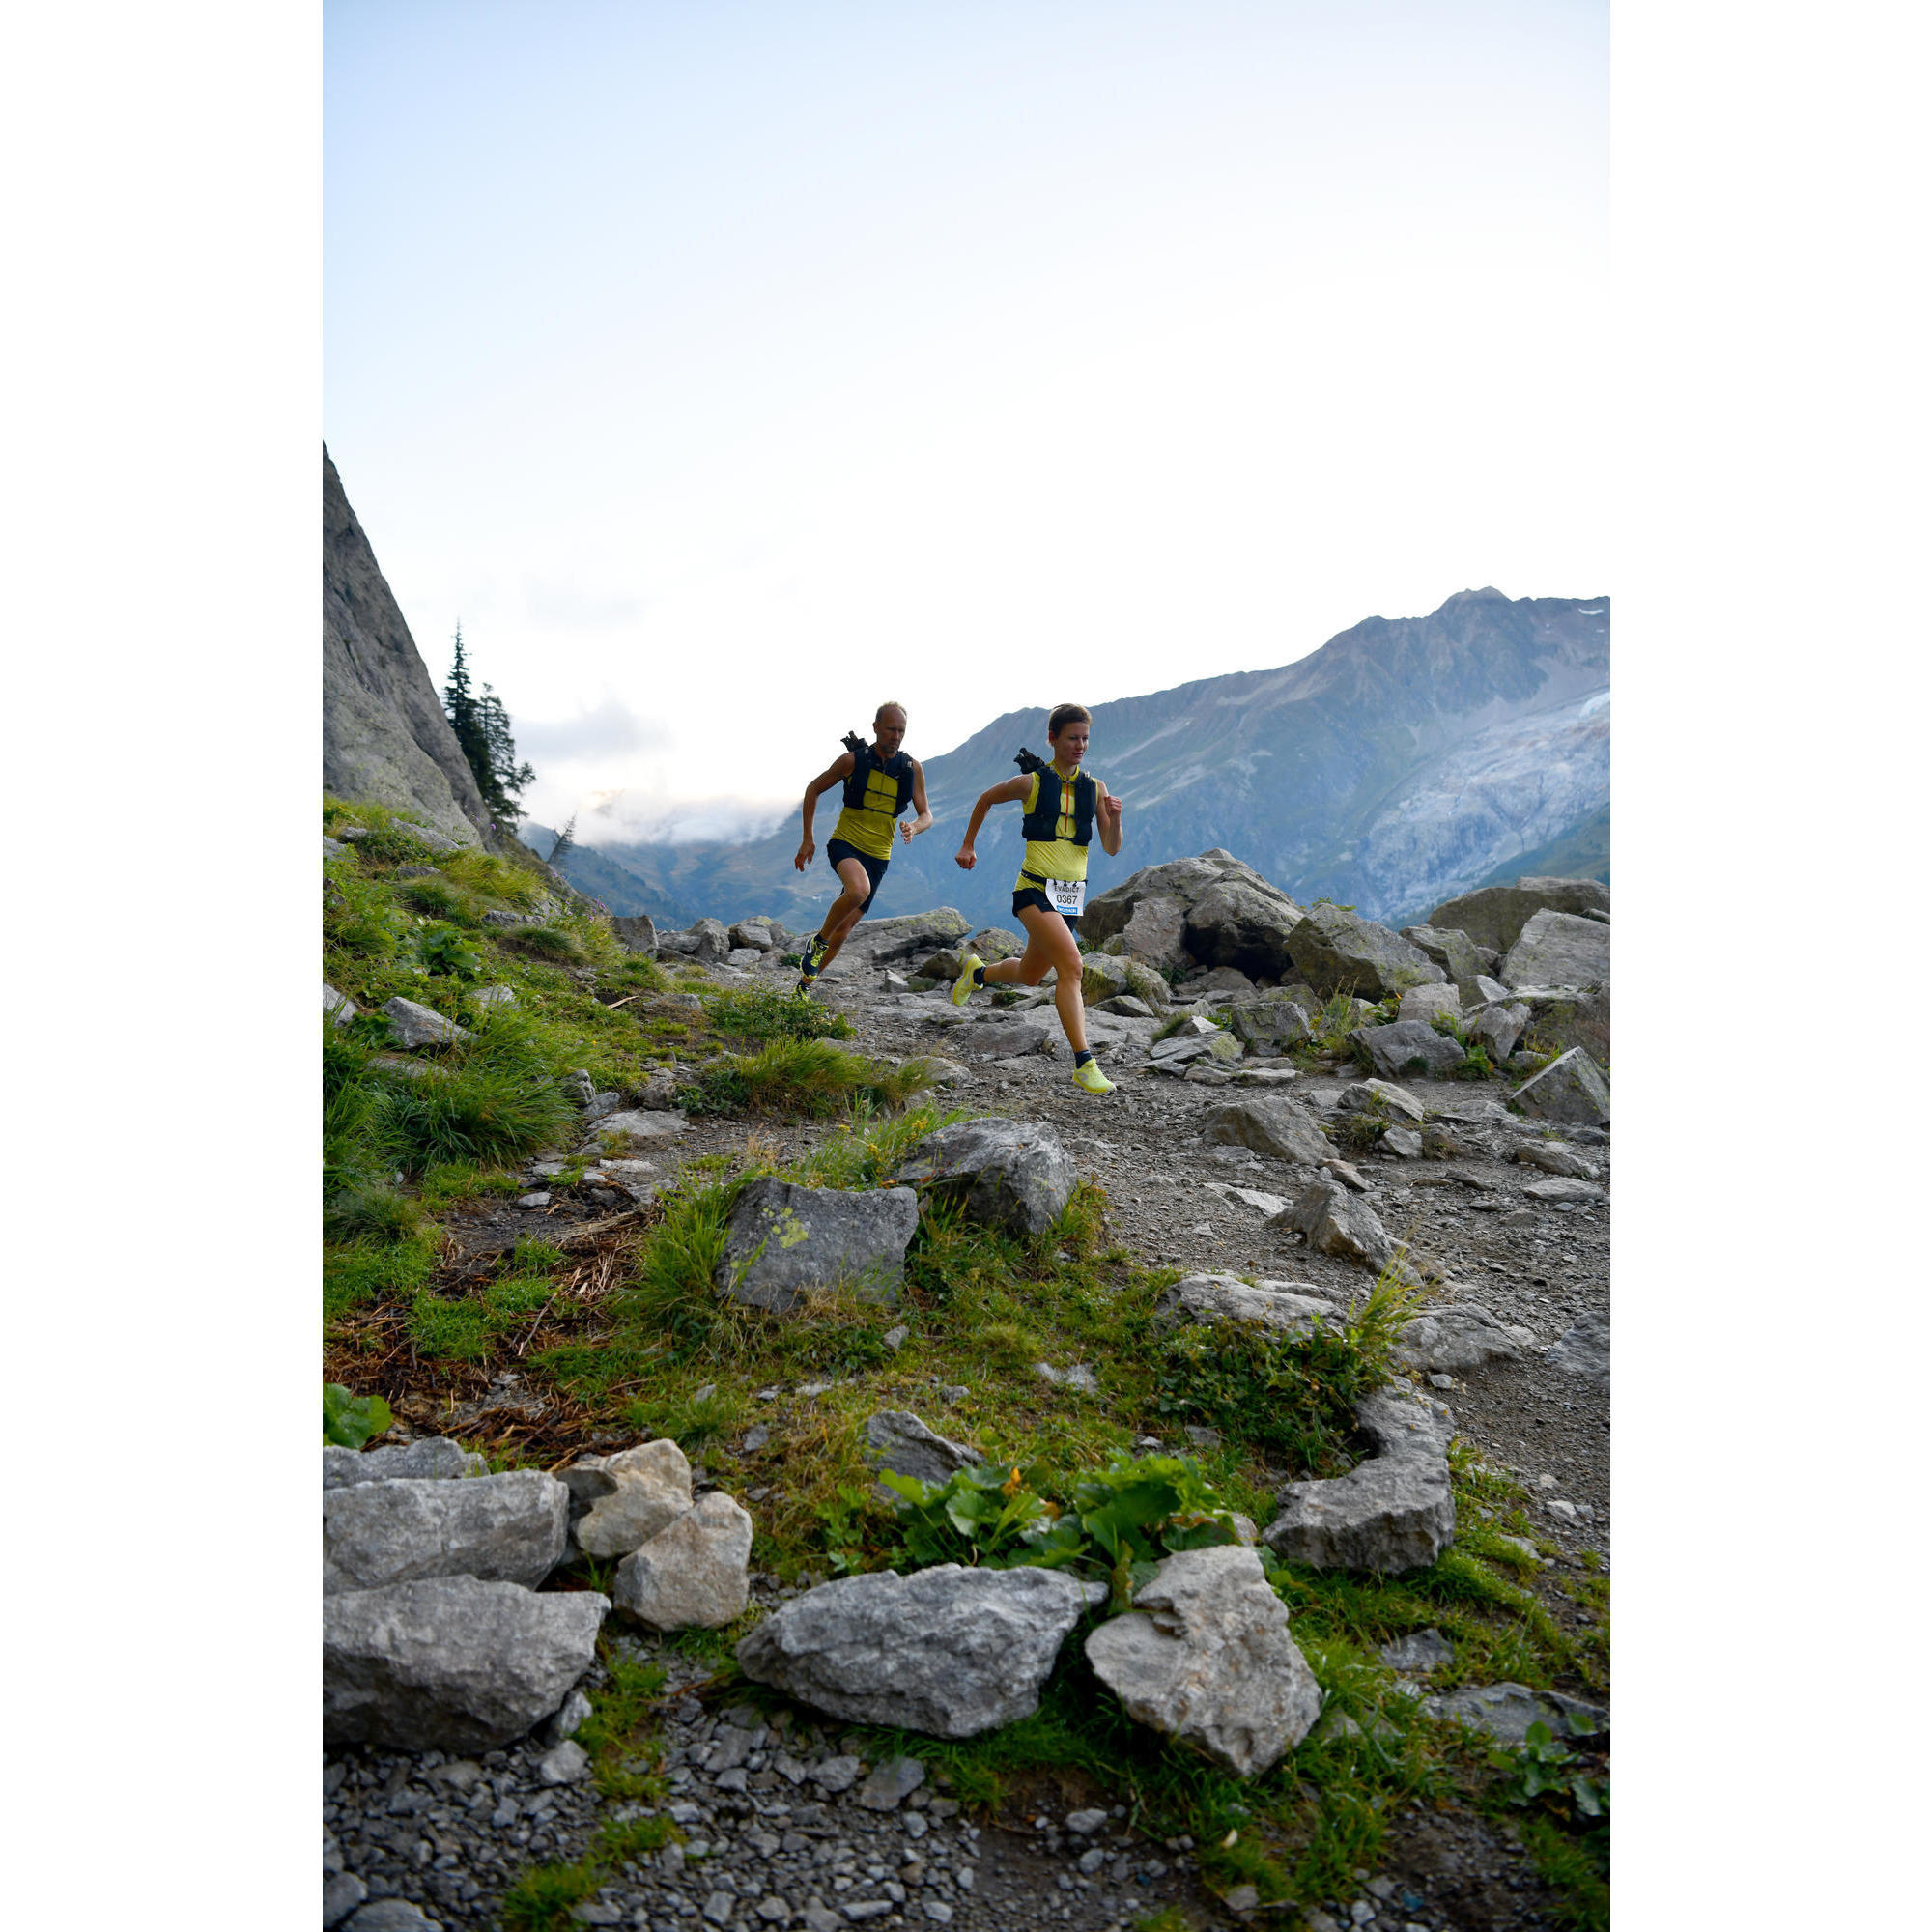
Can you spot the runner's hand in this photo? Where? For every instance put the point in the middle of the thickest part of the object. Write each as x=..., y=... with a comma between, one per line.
x=964, y=858
x=1109, y=809
x=803, y=858
x=905, y=829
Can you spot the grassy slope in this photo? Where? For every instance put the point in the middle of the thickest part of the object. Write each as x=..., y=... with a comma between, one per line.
x=642, y=1347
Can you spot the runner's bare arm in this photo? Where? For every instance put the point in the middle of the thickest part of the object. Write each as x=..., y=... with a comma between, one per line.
x=835, y=773
x=924, y=817
x=1009, y=793
x=1108, y=809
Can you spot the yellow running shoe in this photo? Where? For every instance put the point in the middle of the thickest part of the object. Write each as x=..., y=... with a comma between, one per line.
x=1091, y=1078
x=962, y=988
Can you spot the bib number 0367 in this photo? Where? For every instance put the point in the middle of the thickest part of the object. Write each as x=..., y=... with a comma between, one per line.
x=1066, y=897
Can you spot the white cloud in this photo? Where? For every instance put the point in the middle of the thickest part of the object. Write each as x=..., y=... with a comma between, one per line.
x=607, y=728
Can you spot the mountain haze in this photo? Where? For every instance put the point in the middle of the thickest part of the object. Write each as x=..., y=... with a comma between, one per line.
x=1406, y=760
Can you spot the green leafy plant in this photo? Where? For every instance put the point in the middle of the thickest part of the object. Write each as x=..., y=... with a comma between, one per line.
x=1543, y=1769
x=348, y=1421
x=1117, y=1522
x=442, y=948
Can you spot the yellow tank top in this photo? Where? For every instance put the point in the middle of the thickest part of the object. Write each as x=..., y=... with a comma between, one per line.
x=1052, y=858
x=869, y=826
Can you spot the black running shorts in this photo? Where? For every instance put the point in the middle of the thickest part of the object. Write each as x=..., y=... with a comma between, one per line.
x=1031, y=895
x=839, y=850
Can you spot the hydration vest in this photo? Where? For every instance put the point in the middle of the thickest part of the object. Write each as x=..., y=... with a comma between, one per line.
x=866, y=761
x=1040, y=826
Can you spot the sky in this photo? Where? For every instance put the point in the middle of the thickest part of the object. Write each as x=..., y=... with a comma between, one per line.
x=729, y=368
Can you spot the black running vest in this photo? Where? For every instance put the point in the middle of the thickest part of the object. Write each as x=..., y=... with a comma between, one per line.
x=1040, y=826
x=864, y=761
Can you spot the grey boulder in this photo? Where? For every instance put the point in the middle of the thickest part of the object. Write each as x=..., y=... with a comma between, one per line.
x=880, y=942
x=1409, y=1047
x=1456, y=953
x=1381, y=1097
x=948, y=1651
x=431, y=1459
x=694, y=1574
x=1497, y=1028
x=898, y=1442
x=1245, y=923
x=1003, y=1040
x=414, y=1025
x=1155, y=933
x=1204, y=1656
x=1570, y=1092
x=1274, y=1124
x=783, y=1243
x=451, y=1663
x=636, y=933
x=506, y=1528
x=650, y=1488
x=1337, y=1221
x=1494, y=916
x=1564, y=1187
x=1428, y=1004
x=1290, y=1308
x=1465, y=1336
x=1270, y=1019
x=1582, y=1021
x=337, y=1007
x=1390, y=1513
x=1584, y=1348
x=709, y=944
x=1555, y=1157
x=1558, y=949
x=1009, y=1175
x=1339, y=951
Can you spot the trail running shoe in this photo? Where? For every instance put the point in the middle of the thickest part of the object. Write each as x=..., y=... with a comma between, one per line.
x=962, y=988
x=808, y=967
x=1091, y=1078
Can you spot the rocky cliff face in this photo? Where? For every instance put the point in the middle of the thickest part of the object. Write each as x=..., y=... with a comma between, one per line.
x=383, y=733
x=1404, y=761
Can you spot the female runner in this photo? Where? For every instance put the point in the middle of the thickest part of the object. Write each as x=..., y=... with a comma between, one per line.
x=1063, y=807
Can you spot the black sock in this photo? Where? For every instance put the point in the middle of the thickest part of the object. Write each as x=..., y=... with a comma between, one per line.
x=1081, y=1058
x=979, y=975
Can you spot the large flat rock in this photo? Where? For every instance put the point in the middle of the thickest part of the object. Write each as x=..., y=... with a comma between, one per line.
x=1558, y=949
x=508, y=1528
x=1339, y=951
x=451, y=1663
x=948, y=1651
x=783, y=1242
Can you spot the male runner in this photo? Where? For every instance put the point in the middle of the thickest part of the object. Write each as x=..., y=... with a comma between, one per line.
x=880, y=780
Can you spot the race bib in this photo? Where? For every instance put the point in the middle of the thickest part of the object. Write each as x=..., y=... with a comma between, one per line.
x=1066, y=897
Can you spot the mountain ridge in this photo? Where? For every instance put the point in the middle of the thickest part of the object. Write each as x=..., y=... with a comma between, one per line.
x=1404, y=761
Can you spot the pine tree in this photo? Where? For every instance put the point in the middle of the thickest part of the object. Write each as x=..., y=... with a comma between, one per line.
x=482, y=729
x=566, y=839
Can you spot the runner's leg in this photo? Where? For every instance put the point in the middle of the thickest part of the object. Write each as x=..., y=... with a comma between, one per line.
x=846, y=909
x=1049, y=944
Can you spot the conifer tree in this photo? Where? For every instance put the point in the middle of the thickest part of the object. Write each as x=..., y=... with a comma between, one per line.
x=482, y=729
